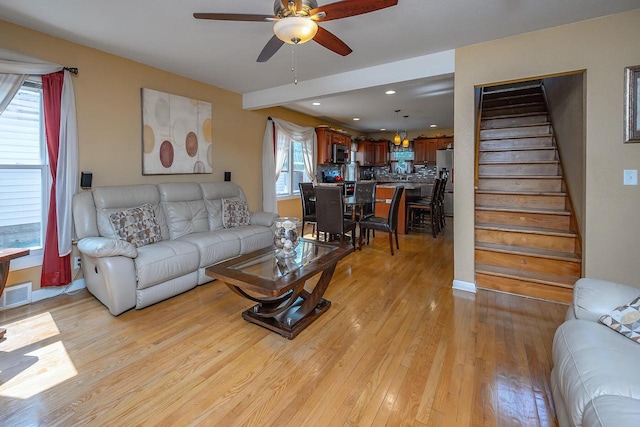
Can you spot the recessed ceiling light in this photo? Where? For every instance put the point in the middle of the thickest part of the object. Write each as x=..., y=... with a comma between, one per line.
x=433, y=126
x=316, y=103
x=390, y=92
x=383, y=129
x=355, y=119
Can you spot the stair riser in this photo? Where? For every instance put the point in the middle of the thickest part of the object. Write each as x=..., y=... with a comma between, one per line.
x=515, y=132
x=512, y=100
x=524, y=287
x=520, y=184
x=528, y=263
x=521, y=201
x=518, y=156
x=519, y=169
x=526, y=240
x=524, y=219
x=509, y=111
x=514, y=121
x=517, y=143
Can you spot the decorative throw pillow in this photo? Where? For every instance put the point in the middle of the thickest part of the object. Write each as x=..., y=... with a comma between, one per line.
x=137, y=225
x=235, y=212
x=625, y=320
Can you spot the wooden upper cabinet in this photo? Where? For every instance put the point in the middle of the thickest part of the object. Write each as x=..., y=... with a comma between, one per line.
x=374, y=153
x=425, y=148
x=326, y=138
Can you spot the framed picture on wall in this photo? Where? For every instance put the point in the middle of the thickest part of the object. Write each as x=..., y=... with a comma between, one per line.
x=176, y=134
x=632, y=104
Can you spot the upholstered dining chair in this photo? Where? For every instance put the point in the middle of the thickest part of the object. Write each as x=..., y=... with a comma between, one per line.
x=388, y=224
x=307, y=193
x=329, y=215
x=418, y=210
x=364, y=191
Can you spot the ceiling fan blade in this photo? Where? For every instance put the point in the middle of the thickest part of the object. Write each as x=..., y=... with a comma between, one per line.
x=346, y=8
x=331, y=42
x=270, y=49
x=233, y=17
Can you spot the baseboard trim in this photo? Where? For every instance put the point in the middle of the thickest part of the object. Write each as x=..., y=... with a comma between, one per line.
x=54, y=291
x=464, y=286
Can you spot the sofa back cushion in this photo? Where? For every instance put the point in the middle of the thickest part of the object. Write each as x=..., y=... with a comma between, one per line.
x=213, y=193
x=184, y=208
x=115, y=199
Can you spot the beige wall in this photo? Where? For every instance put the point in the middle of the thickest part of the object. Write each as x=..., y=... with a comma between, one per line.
x=602, y=47
x=566, y=109
x=109, y=115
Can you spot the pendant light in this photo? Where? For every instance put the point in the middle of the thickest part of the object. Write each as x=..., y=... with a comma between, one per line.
x=405, y=141
x=396, y=138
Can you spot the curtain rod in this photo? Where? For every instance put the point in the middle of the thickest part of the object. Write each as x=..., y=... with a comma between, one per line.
x=72, y=70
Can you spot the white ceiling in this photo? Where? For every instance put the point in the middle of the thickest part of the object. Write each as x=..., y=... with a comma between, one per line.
x=164, y=34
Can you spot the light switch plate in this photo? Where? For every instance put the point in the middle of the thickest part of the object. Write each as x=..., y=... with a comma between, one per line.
x=630, y=177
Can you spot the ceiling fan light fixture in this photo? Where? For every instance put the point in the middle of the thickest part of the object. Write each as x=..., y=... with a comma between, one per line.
x=295, y=29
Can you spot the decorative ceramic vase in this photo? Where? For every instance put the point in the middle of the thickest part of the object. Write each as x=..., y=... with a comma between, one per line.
x=286, y=236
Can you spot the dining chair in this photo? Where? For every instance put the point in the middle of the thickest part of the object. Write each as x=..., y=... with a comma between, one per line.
x=363, y=191
x=330, y=215
x=417, y=210
x=388, y=224
x=443, y=184
x=307, y=193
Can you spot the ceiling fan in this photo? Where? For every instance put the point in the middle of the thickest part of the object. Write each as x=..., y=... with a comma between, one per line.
x=296, y=22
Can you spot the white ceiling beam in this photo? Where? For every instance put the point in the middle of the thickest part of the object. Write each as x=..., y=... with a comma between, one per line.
x=435, y=64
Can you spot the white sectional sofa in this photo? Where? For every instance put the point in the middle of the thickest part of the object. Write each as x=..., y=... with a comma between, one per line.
x=596, y=375
x=141, y=244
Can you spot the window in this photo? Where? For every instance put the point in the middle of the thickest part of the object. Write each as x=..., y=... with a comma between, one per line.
x=24, y=174
x=292, y=172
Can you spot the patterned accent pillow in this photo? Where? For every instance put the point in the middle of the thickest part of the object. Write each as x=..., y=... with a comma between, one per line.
x=235, y=212
x=137, y=225
x=625, y=320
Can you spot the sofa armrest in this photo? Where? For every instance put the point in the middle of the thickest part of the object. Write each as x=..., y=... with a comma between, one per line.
x=101, y=247
x=263, y=218
x=592, y=298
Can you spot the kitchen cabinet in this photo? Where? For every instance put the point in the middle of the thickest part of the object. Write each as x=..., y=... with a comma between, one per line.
x=425, y=148
x=326, y=138
x=374, y=153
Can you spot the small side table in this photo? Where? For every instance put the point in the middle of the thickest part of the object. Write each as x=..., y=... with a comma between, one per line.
x=6, y=255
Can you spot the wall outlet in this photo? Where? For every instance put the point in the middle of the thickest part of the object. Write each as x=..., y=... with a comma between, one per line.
x=631, y=177
x=76, y=263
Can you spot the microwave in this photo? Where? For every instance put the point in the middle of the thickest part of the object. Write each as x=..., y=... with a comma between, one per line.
x=340, y=154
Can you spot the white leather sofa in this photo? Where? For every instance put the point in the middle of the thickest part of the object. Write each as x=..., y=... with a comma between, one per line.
x=596, y=375
x=192, y=236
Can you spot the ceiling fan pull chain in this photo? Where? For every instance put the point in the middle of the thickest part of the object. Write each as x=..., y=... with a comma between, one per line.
x=294, y=65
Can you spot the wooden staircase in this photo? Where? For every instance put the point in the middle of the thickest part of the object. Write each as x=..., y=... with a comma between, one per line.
x=526, y=241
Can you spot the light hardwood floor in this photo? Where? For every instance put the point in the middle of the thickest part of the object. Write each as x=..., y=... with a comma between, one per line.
x=397, y=347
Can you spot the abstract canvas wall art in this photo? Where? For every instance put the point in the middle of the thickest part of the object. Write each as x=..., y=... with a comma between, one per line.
x=176, y=134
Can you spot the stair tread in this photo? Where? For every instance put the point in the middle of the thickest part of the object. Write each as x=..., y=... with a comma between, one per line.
x=516, y=115
x=523, y=193
x=528, y=162
x=520, y=176
x=525, y=210
x=498, y=138
x=544, y=278
x=518, y=250
x=508, y=149
x=525, y=229
x=513, y=126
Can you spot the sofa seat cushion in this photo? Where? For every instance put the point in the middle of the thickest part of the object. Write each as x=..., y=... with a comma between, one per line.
x=591, y=360
x=214, y=246
x=253, y=237
x=611, y=411
x=165, y=260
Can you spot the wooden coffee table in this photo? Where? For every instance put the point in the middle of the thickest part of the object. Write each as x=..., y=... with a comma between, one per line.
x=277, y=285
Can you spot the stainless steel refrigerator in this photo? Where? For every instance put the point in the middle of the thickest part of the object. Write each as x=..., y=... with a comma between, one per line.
x=444, y=160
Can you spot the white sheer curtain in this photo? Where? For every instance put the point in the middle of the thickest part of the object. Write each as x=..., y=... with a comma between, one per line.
x=14, y=68
x=273, y=158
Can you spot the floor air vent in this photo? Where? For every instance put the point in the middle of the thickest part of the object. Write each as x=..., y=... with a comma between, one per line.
x=14, y=296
